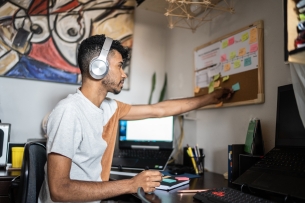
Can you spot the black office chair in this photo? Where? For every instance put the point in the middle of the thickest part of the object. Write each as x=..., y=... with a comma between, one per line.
x=32, y=174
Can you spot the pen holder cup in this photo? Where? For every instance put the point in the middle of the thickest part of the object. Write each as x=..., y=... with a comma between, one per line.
x=198, y=164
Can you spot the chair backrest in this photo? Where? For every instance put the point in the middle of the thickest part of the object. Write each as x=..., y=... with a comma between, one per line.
x=32, y=172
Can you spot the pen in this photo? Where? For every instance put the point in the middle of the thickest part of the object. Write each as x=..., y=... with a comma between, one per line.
x=192, y=191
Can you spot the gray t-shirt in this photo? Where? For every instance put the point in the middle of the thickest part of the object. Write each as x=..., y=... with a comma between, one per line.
x=74, y=130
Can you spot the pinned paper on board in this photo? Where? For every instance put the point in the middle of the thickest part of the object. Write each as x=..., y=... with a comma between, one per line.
x=219, y=104
x=231, y=40
x=216, y=83
x=232, y=55
x=224, y=44
x=211, y=87
x=253, y=47
x=227, y=67
x=244, y=36
x=225, y=78
x=247, y=61
x=223, y=57
x=242, y=52
x=236, y=87
x=216, y=77
x=253, y=35
x=196, y=89
x=237, y=64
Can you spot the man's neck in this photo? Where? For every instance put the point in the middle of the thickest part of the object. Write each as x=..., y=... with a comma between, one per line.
x=94, y=93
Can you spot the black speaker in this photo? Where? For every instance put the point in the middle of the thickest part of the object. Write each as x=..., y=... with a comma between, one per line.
x=99, y=66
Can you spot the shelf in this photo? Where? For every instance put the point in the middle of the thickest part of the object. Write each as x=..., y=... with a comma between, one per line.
x=291, y=20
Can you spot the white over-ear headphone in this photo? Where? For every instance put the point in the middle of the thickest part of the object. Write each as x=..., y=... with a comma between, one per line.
x=99, y=66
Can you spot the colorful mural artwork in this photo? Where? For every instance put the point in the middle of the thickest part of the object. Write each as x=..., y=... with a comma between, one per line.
x=39, y=38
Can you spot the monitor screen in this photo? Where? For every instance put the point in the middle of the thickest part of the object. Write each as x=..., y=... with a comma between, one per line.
x=151, y=131
x=290, y=130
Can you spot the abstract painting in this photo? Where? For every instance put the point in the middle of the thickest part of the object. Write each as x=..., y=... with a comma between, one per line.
x=39, y=38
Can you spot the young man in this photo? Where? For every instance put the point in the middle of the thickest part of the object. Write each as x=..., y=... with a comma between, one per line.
x=82, y=128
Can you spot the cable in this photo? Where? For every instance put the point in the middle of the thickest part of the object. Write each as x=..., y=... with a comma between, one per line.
x=181, y=137
x=141, y=195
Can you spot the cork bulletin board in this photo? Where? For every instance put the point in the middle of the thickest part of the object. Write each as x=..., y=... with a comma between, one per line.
x=234, y=60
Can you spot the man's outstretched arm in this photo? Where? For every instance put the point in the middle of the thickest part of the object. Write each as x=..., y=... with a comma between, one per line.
x=177, y=106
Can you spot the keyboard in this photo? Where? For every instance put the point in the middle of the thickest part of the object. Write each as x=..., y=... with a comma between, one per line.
x=227, y=195
x=142, y=154
x=282, y=161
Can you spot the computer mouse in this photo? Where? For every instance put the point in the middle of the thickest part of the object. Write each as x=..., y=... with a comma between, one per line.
x=176, y=171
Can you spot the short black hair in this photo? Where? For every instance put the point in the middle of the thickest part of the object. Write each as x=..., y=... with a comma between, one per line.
x=92, y=46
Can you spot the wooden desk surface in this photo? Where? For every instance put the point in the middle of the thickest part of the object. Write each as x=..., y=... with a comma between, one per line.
x=206, y=181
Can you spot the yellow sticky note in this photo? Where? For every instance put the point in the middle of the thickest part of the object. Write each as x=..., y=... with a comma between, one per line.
x=225, y=78
x=225, y=44
x=216, y=77
x=245, y=36
x=253, y=35
x=237, y=64
x=216, y=83
x=211, y=87
x=232, y=55
x=227, y=67
x=196, y=89
x=242, y=52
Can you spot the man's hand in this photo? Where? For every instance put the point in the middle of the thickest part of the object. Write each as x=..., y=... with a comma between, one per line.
x=221, y=94
x=148, y=180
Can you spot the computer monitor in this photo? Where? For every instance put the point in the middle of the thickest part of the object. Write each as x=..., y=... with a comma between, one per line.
x=148, y=132
x=290, y=130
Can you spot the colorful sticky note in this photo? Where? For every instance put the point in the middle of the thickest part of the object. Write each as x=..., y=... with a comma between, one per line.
x=247, y=61
x=237, y=64
x=196, y=89
x=232, y=55
x=216, y=77
x=225, y=78
x=169, y=180
x=224, y=44
x=182, y=178
x=226, y=67
x=236, y=87
x=166, y=177
x=223, y=57
x=253, y=35
x=216, y=83
x=242, y=52
x=211, y=87
x=253, y=47
x=231, y=41
x=244, y=36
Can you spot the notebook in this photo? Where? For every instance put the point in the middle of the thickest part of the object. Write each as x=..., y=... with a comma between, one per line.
x=144, y=144
x=282, y=170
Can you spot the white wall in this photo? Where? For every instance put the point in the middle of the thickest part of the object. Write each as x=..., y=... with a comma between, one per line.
x=23, y=103
x=216, y=128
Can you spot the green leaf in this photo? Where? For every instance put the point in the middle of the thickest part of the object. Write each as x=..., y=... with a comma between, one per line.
x=162, y=93
x=153, y=84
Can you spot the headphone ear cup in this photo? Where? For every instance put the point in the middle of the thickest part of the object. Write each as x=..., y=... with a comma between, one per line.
x=98, y=69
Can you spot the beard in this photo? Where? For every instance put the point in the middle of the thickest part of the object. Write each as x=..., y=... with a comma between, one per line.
x=111, y=85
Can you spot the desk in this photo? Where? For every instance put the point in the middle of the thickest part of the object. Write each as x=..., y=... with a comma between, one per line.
x=207, y=180
x=5, y=182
